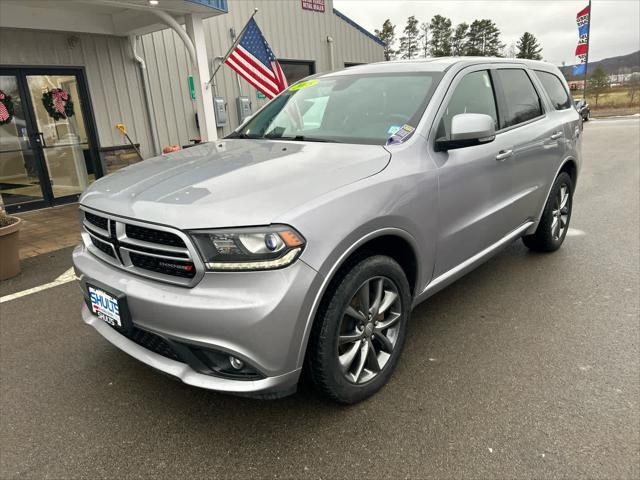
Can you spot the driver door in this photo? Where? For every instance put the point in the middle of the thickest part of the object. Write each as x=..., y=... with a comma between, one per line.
x=469, y=210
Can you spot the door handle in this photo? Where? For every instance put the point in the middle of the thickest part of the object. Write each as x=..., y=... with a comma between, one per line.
x=40, y=140
x=503, y=155
x=556, y=136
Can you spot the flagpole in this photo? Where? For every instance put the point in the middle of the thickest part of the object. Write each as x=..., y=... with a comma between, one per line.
x=233, y=46
x=586, y=64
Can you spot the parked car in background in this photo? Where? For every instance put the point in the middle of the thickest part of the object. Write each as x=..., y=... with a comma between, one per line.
x=583, y=109
x=303, y=240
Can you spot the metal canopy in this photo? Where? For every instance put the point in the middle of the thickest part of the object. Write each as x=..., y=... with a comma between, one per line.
x=107, y=17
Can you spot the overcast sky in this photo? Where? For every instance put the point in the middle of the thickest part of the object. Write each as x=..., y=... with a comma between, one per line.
x=615, y=28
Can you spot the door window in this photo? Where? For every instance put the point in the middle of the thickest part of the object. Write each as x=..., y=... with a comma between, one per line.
x=522, y=102
x=62, y=133
x=474, y=94
x=19, y=168
x=555, y=89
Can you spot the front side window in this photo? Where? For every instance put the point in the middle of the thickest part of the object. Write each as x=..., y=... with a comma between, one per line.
x=521, y=99
x=474, y=94
x=555, y=89
x=358, y=108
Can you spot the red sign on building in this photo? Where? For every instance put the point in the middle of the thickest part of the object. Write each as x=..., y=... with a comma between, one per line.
x=315, y=5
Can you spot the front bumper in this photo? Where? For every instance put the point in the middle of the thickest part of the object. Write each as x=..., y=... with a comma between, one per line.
x=258, y=317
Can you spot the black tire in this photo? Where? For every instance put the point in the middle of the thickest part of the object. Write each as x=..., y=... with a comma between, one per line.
x=587, y=117
x=544, y=239
x=323, y=367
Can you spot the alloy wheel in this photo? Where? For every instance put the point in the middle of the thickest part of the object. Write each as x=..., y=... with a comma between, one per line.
x=560, y=213
x=369, y=330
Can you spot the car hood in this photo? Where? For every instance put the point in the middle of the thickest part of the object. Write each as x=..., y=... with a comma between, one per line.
x=232, y=182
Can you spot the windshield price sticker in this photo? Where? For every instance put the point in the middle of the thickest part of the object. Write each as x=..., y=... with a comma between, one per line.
x=401, y=135
x=301, y=85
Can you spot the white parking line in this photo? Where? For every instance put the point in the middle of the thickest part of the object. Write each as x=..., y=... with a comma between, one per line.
x=66, y=277
x=574, y=232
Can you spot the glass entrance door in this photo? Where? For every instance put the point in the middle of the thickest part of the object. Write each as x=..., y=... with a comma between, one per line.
x=48, y=148
x=20, y=172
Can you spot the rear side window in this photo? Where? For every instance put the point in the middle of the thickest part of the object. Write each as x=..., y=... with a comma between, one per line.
x=555, y=89
x=522, y=102
x=474, y=94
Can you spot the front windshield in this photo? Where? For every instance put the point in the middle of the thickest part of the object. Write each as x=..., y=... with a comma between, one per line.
x=354, y=108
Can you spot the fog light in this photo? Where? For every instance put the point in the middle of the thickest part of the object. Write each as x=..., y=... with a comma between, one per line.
x=236, y=363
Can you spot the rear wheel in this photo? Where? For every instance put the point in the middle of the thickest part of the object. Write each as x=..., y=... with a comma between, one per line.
x=554, y=222
x=360, y=330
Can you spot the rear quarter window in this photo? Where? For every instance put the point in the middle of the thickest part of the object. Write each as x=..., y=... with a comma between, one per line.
x=522, y=102
x=555, y=89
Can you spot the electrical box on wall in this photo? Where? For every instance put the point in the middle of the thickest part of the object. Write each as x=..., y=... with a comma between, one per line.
x=220, y=110
x=244, y=108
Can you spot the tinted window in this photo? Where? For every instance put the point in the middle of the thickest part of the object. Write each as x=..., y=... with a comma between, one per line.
x=522, y=101
x=474, y=94
x=555, y=89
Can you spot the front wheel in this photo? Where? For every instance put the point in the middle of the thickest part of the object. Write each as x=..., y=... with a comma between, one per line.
x=554, y=222
x=360, y=330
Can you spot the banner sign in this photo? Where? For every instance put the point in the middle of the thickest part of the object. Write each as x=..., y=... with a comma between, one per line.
x=315, y=5
x=582, y=49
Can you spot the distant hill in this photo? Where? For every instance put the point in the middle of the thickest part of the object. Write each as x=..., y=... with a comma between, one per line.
x=622, y=64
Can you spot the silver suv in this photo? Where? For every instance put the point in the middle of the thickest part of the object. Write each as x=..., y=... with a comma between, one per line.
x=301, y=242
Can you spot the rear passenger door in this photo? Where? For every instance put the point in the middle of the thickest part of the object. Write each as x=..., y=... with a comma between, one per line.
x=536, y=142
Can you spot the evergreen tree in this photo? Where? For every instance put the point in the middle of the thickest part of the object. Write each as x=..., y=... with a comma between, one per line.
x=388, y=36
x=483, y=39
x=424, y=39
x=528, y=47
x=440, y=41
x=459, y=40
x=409, y=41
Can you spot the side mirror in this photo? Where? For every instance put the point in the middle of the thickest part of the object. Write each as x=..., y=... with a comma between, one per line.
x=467, y=130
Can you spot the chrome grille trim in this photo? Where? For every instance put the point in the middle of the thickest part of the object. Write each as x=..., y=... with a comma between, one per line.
x=91, y=227
x=127, y=245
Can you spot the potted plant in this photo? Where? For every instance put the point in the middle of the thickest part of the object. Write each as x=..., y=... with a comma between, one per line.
x=9, y=246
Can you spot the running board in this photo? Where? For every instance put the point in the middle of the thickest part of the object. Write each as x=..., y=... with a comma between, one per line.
x=455, y=273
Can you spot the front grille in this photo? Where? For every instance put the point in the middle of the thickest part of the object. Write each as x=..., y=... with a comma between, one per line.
x=164, y=266
x=96, y=220
x=154, y=236
x=152, y=342
x=154, y=252
x=103, y=247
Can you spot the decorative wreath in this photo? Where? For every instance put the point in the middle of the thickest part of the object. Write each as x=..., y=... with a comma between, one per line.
x=58, y=103
x=6, y=108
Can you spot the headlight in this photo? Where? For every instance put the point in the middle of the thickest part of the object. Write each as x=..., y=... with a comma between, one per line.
x=260, y=248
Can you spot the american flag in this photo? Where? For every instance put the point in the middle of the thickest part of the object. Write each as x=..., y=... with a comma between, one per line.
x=254, y=61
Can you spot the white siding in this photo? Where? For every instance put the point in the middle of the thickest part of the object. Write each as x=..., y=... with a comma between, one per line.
x=293, y=33
x=113, y=78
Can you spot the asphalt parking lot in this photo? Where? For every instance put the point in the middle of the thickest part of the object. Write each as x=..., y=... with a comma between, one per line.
x=529, y=367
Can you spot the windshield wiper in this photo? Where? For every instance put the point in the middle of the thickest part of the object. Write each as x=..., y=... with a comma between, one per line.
x=302, y=138
x=241, y=135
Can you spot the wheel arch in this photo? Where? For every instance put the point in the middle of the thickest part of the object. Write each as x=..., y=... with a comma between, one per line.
x=383, y=242
x=568, y=165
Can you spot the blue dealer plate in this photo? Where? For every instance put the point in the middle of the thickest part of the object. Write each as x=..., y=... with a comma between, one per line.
x=105, y=306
